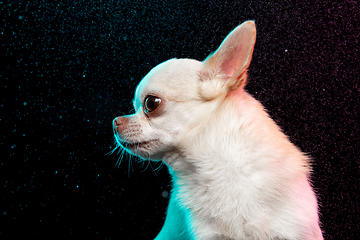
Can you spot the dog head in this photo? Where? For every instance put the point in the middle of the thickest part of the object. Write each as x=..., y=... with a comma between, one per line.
x=176, y=99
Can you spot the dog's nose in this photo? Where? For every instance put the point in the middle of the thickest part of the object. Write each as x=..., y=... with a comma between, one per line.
x=120, y=124
x=117, y=121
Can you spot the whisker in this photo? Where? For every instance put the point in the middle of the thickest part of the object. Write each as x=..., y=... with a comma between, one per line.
x=111, y=151
x=121, y=153
x=147, y=166
x=129, y=166
x=161, y=165
x=121, y=144
x=152, y=168
x=142, y=163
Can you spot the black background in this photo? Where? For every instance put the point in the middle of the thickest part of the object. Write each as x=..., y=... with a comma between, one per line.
x=69, y=67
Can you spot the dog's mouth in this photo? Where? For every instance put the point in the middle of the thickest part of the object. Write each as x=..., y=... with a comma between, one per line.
x=134, y=146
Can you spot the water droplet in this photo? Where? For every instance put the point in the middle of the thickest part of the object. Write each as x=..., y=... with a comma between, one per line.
x=165, y=194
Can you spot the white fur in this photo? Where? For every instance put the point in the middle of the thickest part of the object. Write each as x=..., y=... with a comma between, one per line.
x=235, y=174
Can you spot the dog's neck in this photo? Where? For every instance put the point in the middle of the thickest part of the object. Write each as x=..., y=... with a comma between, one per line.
x=228, y=145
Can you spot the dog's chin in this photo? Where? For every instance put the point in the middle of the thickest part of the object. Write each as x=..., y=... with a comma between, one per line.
x=145, y=149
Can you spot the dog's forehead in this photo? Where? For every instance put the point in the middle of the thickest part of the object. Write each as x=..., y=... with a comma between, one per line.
x=167, y=77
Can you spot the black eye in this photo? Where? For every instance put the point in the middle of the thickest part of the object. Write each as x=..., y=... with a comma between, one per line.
x=151, y=103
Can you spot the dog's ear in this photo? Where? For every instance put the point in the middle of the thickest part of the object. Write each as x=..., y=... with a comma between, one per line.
x=232, y=58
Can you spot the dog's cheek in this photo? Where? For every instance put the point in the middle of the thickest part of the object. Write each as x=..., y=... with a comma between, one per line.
x=166, y=126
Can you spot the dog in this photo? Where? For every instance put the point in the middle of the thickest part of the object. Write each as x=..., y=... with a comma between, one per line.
x=235, y=174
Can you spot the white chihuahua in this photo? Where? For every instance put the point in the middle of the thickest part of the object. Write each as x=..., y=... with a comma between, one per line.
x=235, y=174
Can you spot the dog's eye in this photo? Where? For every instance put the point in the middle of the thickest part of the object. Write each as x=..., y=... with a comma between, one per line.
x=151, y=103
